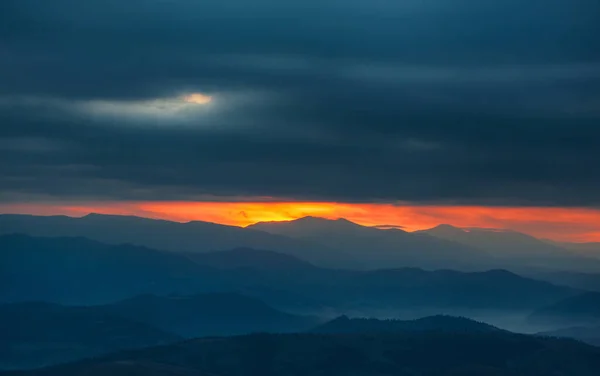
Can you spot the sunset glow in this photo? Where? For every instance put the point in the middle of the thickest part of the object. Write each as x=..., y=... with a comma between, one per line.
x=197, y=98
x=562, y=224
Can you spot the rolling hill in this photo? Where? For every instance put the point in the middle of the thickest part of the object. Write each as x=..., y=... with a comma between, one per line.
x=578, y=310
x=40, y=334
x=416, y=353
x=195, y=236
x=248, y=258
x=215, y=314
x=376, y=248
x=343, y=324
x=82, y=271
x=587, y=334
x=514, y=249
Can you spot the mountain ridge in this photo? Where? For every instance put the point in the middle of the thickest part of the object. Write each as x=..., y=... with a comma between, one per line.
x=419, y=353
x=106, y=273
x=36, y=334
x=323, y=242
x=346, y=325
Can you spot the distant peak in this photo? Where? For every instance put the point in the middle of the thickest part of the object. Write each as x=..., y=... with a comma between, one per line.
x=389, y=227
x=445, y=229
x=445, y=226
x=501, y=272
x=491, y=229
x=99, y=215
x=311, y=219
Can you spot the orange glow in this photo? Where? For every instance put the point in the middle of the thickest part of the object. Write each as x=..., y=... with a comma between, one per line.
x=562, y=224
x=197, y=98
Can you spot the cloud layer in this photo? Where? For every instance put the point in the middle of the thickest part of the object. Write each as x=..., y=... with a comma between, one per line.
x=465, y=102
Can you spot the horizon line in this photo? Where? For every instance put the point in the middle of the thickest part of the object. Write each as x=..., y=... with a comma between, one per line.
x=381, y=227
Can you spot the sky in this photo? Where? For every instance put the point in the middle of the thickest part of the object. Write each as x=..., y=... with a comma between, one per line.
x=471, y=112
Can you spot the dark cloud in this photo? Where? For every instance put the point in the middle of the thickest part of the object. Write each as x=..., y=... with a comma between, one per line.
x=425, y=101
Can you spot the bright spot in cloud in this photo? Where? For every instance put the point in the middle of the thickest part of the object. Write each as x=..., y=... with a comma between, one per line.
x=181, y=107
x=197, y=98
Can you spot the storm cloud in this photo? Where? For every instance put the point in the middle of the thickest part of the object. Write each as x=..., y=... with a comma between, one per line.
x=432, y=101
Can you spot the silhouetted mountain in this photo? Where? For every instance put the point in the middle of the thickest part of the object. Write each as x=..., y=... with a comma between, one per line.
x=78, y=270
x=587, y=334
x=343, y=324
x=506, y=242
x=308, y=227
x=583, y=281
x=248, y=258
x=215, y=314
x=39, y=334
x=192, y=236
x=375, y=248
x=46, y=268
x=322, y=242
x=419, y=353
x=81, y=271
x=582, y=249
x=515, y=249
x=582, y=309
x=406, y=287
x=443, y=291
x=446, y=288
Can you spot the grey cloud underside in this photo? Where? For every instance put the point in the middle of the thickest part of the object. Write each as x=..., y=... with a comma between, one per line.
x=424, y=101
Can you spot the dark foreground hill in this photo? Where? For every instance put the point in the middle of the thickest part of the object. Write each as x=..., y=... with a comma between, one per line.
x=449, y=324
x=409, y=354
x=38, y=334
x=215, y=314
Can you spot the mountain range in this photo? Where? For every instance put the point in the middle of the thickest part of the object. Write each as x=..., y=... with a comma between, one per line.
x=373, y=247
x=515, y=248
x=45, y=268
x=213, y=314
x=323, y=242
x=75, y=288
